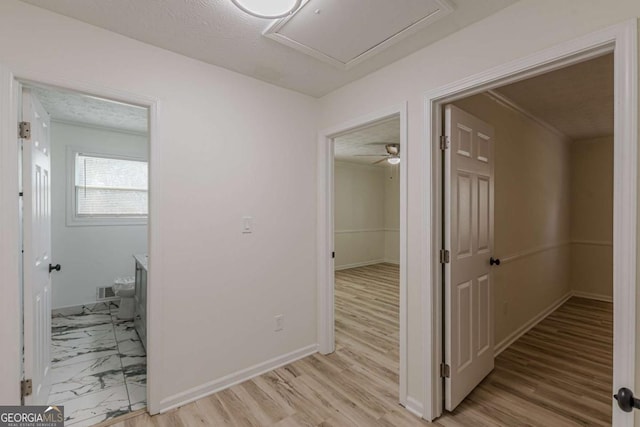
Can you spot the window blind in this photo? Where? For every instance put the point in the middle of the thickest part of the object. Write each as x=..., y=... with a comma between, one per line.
x=111, y=187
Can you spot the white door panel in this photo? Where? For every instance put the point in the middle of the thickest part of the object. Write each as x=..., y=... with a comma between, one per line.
x=469, y=238
x=37, y=249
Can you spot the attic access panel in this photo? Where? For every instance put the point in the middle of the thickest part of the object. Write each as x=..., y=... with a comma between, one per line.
x=345, y=33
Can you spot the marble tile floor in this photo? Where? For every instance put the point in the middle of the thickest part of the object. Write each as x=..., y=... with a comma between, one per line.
x=98, y=366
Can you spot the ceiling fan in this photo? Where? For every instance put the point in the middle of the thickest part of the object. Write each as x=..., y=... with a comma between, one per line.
x=393, y=153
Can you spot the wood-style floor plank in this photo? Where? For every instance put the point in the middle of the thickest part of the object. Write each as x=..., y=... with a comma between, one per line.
x=558, y=374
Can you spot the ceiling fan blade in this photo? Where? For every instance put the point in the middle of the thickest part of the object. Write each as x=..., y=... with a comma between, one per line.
x=379, y=161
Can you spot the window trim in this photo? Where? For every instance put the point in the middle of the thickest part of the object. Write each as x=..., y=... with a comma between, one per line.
x=75, y=220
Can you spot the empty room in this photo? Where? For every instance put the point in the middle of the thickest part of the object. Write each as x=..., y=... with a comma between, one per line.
x=317, y=212
x=529, y=195
x=367, y=250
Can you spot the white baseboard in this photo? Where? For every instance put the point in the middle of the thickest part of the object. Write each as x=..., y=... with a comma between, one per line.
x=359, y=264
x=227, y=381
x=513, y=337
x=394, y=262
x=590, y=295
x=414, y=407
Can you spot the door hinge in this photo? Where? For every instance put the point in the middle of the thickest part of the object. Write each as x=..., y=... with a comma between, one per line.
x=445, y=370
x=24, y=130
x=26, y=387
x=333, y=254
x=444, y=256
x=444, y=142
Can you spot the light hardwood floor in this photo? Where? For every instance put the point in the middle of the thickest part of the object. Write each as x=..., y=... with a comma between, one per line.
x=558, y=374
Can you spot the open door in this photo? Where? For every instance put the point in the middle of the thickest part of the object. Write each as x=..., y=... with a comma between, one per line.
x=36, y=184
x=468, y=235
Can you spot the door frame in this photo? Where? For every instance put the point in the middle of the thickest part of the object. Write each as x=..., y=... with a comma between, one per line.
x=9, y=223
x=325, y=274
x=621, y=39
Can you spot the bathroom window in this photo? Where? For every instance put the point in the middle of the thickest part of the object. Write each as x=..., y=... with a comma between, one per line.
x=108, y=190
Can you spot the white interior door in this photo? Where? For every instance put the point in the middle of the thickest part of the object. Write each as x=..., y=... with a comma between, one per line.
x=36, y=179
x=469, y=237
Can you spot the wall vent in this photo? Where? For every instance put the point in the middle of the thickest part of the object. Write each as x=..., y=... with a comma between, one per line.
x=105, y=293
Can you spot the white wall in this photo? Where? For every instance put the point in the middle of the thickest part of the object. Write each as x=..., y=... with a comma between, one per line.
x=520, y=30
x=367, y=215
x=532, y=215
x=227, y=146
x=592, y=216
x=90, y=256
x=359, y=213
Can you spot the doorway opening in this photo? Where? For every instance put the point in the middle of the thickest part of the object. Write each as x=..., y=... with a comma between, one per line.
x=361, y=255
x=367, y=245
x=84, y=212
x=621, y=41
x=528, y=181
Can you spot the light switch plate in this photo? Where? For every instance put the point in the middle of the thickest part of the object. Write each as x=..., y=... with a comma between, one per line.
x=279, y=322
x=247, y=225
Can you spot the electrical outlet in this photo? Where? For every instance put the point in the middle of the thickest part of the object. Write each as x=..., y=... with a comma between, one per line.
x=279, y=322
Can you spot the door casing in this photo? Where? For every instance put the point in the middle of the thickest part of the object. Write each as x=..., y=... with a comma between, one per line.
x=9, y=223
x=11, y=325
x=622, y=40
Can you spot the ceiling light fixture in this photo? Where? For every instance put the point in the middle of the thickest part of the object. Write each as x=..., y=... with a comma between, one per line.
x=393, y=160
x=268, y=9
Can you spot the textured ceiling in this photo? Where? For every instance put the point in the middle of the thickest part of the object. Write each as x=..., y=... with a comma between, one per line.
x=215, y=31
x=77, y=108
x=348, y=147
x=577, y=100
x=350, y=42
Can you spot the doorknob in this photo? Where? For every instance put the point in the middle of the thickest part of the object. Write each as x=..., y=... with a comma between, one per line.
x=494, y=261
x=56, y=267
x=626, y=401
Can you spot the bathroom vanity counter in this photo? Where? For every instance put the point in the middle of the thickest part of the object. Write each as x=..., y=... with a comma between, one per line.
x=140, y=319
x=143, y=259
